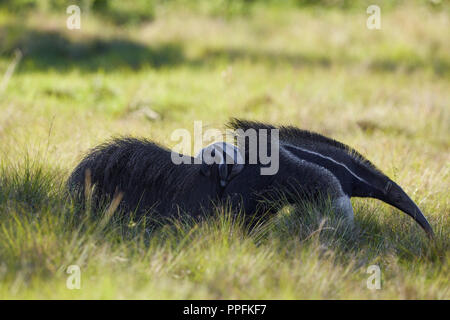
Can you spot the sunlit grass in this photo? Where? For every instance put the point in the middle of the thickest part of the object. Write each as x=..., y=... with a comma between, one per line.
x=383, y=92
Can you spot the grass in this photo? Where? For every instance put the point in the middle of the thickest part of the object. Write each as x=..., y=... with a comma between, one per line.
x=383, y=92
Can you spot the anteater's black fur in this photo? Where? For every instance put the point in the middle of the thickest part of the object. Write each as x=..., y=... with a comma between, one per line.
x=310, y=166
x=144, y=172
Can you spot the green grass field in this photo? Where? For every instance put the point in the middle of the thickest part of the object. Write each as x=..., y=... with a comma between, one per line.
x=385, y=92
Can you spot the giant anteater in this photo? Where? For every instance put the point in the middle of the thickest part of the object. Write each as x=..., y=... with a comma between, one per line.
x=310, y=166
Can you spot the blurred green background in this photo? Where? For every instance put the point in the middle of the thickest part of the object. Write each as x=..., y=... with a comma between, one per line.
x=145, y=68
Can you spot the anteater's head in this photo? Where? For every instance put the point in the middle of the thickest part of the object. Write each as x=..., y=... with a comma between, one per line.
x=394, y=195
